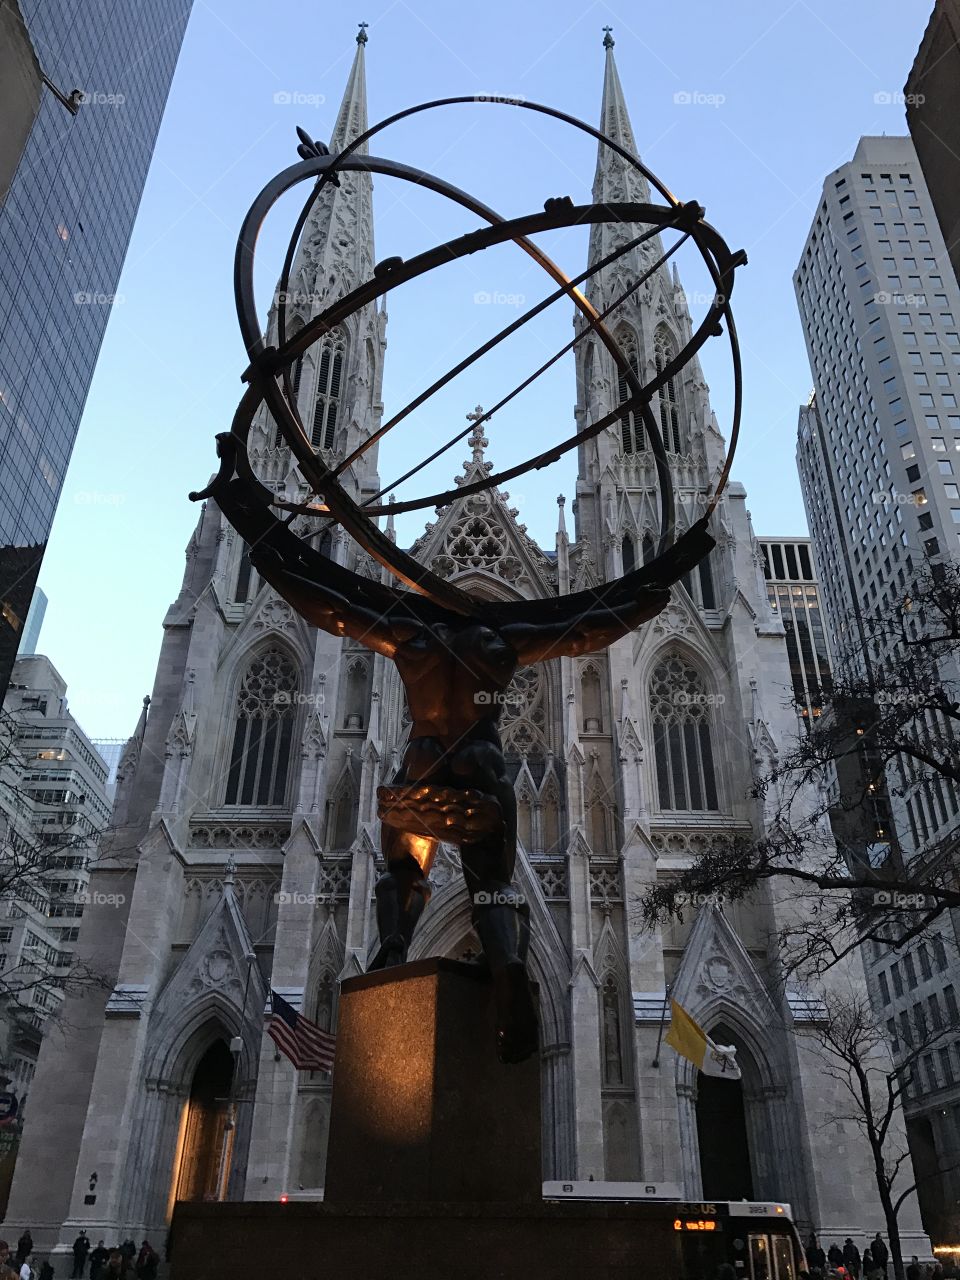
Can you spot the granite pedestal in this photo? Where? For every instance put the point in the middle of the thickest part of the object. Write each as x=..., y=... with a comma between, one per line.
x=422, y=1109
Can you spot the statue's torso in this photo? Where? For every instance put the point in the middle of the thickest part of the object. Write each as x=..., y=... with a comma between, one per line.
x=454, y=679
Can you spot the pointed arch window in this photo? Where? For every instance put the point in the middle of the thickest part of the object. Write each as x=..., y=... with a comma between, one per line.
x=295, y=377
x=599, y=824
x=629, y=554
x=342, y=814
x=631, y=424
x=525, y=832
x=263, y=730
x=682, y=742
x=699, y=585
x=611, y=1035
x=587, y=372
x=242, y=591
x=551, y=817
x=648, y=549
x=329, y=382
x=708, y=598
x=664, y=350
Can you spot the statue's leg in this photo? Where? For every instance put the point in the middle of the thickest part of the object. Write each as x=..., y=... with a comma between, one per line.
x=502, y=921
x=403, y=890
x=501, y=917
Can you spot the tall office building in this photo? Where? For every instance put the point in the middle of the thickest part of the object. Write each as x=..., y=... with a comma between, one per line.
x=878, y=452
x=879, y=447
x=64, y=229
x=794, y=595
x=53, y=807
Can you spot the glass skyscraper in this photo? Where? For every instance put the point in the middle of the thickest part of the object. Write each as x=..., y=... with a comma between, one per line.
x=64, y=229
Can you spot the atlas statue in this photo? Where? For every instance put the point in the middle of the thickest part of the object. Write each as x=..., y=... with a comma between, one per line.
x=455, y=655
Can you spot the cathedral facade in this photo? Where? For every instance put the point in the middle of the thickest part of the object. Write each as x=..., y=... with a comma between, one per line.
x=243, y=850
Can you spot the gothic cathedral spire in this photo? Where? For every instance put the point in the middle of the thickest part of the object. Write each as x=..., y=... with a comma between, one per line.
x=617, y=506
x=338, y=381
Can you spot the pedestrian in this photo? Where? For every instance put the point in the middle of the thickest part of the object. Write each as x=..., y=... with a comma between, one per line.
x=851, y=1258
x=148, y=1260
x=98, y=1260
x=117, y=1265
x=816, y=1258
x=913, y=1271
x=26, y=1271
x=868, y=1264
x=6, y=1271
x=880, y=1254
x=24, y=1247
x=835, y=1256
x=81, y=1247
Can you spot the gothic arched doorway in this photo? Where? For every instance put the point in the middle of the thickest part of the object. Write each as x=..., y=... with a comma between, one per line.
x=726, y=1164
x=722, y=1132
x=205, y=1135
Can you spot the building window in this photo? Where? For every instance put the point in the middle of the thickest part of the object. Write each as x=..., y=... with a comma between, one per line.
x=664, y=352
x=265, y=714
x=611, y=1036
x=242, y=591
x=629, y=554
x=296, y=375
x=950, y=997
x=631, y=424
x=327, y=405
x=686, y=777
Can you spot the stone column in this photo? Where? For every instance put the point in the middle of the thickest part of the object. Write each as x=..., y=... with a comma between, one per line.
x=585, y=1000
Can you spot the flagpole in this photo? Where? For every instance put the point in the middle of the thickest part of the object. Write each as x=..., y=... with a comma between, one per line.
x=663, y=1018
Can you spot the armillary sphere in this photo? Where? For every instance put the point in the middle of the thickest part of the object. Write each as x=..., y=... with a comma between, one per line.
x=269, y=373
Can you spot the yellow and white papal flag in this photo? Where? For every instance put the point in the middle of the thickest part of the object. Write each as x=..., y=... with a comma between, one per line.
x=690, y=1040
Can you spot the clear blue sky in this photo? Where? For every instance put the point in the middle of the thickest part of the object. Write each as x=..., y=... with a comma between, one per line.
x=785, y=91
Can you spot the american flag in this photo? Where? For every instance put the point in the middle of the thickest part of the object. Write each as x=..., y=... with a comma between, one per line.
x=308, y=1046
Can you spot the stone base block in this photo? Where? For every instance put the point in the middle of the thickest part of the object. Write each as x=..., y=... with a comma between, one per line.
x=316, y=1241
x=422, y=1109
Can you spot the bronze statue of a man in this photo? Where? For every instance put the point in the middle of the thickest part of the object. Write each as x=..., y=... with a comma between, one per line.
x=453, y=784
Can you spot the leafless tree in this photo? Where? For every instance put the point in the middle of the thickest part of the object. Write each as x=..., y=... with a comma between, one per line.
x=852, y=1047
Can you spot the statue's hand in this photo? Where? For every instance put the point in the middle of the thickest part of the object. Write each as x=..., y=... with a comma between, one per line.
x=440, y=813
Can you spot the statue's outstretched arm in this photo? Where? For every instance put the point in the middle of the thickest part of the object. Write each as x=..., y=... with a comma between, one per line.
x=594, y=629
x=643, y=593
x=329, y=609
